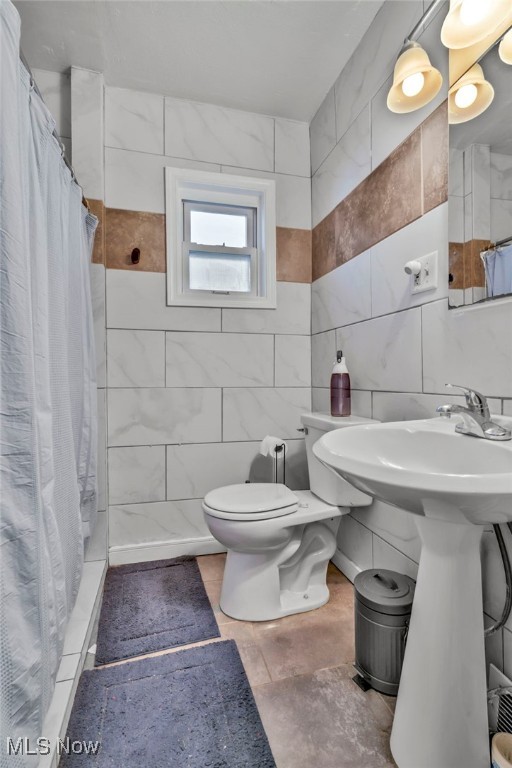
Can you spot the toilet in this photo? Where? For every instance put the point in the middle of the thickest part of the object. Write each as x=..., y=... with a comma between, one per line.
x=279, y=542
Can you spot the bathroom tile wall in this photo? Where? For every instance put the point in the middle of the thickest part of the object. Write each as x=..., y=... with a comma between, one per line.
x=192, y=391
x=401, y=348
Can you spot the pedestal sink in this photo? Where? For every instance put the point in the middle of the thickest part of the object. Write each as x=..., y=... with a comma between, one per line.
x=453, y=484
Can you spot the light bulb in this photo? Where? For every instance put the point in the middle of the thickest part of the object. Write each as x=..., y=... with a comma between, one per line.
x=472, y=12
x=413, y=84
x=466, y=96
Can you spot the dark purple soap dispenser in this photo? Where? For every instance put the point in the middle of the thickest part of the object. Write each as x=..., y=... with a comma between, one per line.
x=340, y=387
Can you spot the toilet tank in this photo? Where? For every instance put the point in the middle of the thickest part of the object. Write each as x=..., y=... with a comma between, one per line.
x=325, y=482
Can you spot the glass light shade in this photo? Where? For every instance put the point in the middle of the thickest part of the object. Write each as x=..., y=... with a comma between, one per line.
x=462, y=109
x=466, y=96
x=505, y=49
x=413, y=84
x=403, y=95
x=469, y=21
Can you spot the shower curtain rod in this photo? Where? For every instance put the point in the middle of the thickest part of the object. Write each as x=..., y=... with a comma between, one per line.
x=55, y=134
x=502, y=242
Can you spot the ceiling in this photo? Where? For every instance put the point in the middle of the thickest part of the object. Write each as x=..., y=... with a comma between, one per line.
x=277, y=57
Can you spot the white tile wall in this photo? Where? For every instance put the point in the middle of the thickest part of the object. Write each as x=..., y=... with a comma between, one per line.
x=323, y=131
x=193, y=470
x=87, y=130
x=137, y=300
x=501, y=176
x=323, y=357
x=56, y=91
x=386, y=556
x=470, y=346
x=345, y=167
x=292, y=315
x=355, y=542
x=219, y=360
x=159, y=416
x=292, y=147
x=394, y=525
x=218, y=135
x=391, y=359
x=160, y=521
x=292, y=361
x=136, y=358
x=391, y=286
x=343, y=296
x=252, y=413
x=374, y=59
x=293, y=196
x=134, y=181
x=134, y=120
x=101, y=466
x=136, y=473
x=97, y=276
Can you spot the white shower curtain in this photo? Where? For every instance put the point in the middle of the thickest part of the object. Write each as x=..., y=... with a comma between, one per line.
x=47, y=397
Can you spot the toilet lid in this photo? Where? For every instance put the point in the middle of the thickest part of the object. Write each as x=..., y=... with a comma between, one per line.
x=250, y=498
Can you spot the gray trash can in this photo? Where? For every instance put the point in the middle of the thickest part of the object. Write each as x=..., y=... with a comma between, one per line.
x=382, y=611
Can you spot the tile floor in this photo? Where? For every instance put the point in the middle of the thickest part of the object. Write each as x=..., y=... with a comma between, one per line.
x=300, y=671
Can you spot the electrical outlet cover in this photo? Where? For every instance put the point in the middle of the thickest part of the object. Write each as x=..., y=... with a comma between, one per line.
x=427, y=279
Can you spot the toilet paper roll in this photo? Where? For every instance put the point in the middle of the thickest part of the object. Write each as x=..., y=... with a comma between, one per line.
x=268, y=447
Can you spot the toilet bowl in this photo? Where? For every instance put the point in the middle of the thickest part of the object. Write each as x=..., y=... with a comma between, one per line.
x=279, y=542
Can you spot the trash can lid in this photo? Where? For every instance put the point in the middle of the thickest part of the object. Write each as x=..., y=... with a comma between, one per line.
x=385, y=591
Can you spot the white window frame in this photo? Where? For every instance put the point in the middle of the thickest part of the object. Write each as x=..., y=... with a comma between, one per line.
x=184, y=186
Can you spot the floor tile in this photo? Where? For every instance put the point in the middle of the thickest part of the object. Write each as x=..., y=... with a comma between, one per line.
x=324, y=720
x=300, y=650
x=254, y=664
x=211, y=566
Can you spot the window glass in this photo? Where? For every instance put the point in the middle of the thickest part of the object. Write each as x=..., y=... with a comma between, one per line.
x=218, y=229
x=219, y=272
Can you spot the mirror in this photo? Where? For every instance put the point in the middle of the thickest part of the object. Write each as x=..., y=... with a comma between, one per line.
x=480, y=195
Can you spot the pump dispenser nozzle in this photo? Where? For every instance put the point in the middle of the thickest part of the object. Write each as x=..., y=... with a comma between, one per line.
x=339, y=355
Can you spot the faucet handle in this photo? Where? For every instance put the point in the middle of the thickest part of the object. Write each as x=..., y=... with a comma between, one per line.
x=475, y=401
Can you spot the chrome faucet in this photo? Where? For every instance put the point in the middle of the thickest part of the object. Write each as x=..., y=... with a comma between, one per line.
x=476, y=417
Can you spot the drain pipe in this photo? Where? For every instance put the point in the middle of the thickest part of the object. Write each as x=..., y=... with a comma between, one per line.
x=508, y=579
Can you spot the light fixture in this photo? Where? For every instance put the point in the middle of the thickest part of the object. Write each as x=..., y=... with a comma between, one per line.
x=415, y=80
x=470, y=96
x=469, y=21
x=505, y=49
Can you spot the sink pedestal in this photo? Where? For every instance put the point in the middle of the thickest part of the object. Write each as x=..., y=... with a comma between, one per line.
x=441, y=710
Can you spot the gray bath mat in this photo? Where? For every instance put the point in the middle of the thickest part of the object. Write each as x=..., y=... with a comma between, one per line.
x=153, y=606
x=189, y=709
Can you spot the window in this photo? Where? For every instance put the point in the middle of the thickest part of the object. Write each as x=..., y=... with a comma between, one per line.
x=220, y=240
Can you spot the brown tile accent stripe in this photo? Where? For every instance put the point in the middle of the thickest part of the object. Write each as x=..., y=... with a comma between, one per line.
x=126, y=230
x=411, y=181
x=466, y=265
x=97, y=207
x=434, y=152
x=293, y=255
x=456, y=264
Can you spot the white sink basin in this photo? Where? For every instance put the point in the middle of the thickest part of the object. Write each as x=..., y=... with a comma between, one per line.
x=453, y=484
x=425, y=467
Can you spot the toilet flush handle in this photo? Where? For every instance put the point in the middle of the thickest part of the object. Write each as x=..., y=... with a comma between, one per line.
x=303, y=429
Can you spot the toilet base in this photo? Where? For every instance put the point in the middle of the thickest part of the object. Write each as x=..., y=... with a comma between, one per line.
x=262, y=586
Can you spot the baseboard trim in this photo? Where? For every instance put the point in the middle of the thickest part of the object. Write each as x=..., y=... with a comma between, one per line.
x=346, y=565
x=162, y=550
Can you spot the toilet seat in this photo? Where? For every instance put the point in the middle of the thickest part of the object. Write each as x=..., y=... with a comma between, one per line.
x=251, y=501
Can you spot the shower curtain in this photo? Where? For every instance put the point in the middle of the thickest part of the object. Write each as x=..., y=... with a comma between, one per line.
x=47, y=398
